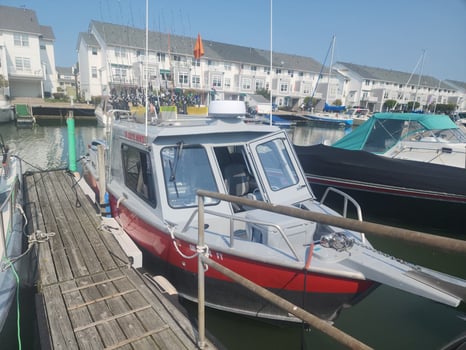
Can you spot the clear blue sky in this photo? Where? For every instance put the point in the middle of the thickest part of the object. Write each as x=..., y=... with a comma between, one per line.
x=390, y=34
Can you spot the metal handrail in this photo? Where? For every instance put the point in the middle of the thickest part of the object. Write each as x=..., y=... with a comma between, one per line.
x=233, y=218
x=346, y=198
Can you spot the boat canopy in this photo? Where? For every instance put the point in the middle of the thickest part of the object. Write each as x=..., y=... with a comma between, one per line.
x=392, y=125
x=330, y=108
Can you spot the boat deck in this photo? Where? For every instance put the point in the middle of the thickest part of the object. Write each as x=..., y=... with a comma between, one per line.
x=89, y=296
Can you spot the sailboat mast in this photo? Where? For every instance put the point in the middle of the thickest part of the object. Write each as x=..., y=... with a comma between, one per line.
x=332, y=46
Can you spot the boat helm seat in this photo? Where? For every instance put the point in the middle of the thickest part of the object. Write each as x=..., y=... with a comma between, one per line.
x=236, y=181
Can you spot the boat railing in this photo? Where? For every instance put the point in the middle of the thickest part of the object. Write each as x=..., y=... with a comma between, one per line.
x=7, y=210
x=346, y=200
x=233, y=218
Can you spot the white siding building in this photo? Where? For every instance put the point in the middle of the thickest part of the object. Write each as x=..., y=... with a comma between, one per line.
x=112, y=58
x=27, y=60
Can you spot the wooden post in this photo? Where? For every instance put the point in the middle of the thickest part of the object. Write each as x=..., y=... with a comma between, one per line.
x=200, y=274
x=101, y=176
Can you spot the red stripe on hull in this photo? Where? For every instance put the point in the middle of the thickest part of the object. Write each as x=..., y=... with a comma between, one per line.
x=159, y=243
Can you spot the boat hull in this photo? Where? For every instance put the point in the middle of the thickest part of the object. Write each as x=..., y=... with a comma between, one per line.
x=396, y=192
x=321, y=294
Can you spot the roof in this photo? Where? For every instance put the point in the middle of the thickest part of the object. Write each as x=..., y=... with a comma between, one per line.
x=47, y=33
x=19, y=20
x=65, y=70
x=88, y=39
x=130, y=37
x=389, y=75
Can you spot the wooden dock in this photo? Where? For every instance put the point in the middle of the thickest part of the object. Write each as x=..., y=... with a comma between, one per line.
x=89, y=296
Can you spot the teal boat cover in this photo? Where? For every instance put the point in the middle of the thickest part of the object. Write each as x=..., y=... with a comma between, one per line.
x=392, y=124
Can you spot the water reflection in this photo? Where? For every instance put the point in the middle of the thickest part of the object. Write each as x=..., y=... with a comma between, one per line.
x=387, y=319
x=305, y=134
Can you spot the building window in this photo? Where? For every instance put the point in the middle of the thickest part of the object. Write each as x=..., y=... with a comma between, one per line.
x=94, y=51
x=23, y=64
x=119, y=74
x=227, y=66
x=216, y=81
x=283, y=87
x=267, y=70
x=196, y=81
x=196, y=63
x=120, y=52
x=278, y=71
x=183, y=78
x=290, y=73
x=253, y=68
x=227, y=83
x=260, y=84
x=160, y=57
x=21, y=40
x=246, y=84
x=94, y=72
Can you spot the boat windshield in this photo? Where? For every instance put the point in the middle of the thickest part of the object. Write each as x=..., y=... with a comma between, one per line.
x=277, y=165
x=444, y=135
x=187, y=169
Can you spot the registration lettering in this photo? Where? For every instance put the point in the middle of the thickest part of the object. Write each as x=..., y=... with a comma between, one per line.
x=136, y=137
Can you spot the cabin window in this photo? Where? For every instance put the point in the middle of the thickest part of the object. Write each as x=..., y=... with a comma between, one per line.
x=137, y=169
x=277, y=165
x=187, y=169
x=384, y=134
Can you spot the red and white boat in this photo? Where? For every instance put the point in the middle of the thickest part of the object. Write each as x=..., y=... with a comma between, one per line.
x=153, y=173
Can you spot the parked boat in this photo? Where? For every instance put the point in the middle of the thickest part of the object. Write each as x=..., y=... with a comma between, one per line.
x=359, y=115
x=331, y=113
x=330, y=118
x=154, y=172
x=6, y=110
x=24, y=116
x=403, y=168
x=11, y=234
x=106, y=111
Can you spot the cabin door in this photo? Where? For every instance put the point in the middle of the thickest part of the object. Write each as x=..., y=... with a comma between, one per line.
x=278, y=170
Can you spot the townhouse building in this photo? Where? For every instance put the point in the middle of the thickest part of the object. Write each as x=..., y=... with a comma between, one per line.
x=27, y=58
x=113, y=58
x=371, y=87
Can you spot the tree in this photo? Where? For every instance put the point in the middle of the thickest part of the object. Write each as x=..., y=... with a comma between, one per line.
x=263, y=92
x=388, y=105
x=409, y=106
x=445, y=108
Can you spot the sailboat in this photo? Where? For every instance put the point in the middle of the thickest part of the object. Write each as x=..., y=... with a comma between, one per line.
x=331, y=114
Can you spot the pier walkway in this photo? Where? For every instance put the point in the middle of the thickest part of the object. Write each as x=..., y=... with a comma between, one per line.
x=89, y=295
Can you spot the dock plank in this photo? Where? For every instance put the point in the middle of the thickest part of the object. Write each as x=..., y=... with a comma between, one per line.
x=92, y=297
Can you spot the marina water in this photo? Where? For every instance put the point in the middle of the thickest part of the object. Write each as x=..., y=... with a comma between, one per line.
x=386, y=319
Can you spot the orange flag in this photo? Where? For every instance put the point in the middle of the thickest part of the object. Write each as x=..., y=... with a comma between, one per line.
x=198, y=48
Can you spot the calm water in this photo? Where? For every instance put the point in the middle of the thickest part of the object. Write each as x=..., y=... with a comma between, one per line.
x=387, y=319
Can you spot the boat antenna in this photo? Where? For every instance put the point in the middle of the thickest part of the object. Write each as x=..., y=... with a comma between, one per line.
x=147, y=67
x=271, y=65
